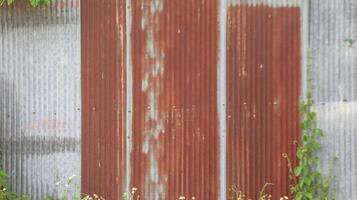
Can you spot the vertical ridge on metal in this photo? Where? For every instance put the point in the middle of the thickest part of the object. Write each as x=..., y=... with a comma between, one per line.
x=263, y=88
x=175, y=120
x=103, y=137
x=39, y=97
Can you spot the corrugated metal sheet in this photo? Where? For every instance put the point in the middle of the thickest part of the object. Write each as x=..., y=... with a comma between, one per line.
x=175, y=121
x=40, y=97
x=332, y=32
x=103, y=98
x=175, y=125
x=263, y=88
x=270, y=3
x=154, y=114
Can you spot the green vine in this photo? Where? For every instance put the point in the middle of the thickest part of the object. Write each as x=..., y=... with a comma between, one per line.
x=307, y=182
x=311, y=184
x=33, y=3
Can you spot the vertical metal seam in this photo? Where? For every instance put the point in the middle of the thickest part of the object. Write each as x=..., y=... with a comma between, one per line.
x=304, y=47
x=129, y=92
x=222, y=97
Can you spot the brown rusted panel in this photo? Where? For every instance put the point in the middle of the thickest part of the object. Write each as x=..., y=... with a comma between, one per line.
x=175, y=128
x=263, y=88
x=103, y=138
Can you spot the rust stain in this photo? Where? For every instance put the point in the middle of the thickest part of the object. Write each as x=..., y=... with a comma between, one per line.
x=263, y=88
x=175, y=130
x=103, y=137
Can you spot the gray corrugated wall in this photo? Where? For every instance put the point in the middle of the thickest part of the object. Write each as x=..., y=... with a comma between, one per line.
x=332, y=30
x=40, y=96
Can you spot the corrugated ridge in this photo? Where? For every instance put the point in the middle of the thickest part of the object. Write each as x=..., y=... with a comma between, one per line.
x=263, y=87
x=332, y=38
x=333, y=32
x=175, y=119
x=273, y=3
x=103, y=97
x=40, y=96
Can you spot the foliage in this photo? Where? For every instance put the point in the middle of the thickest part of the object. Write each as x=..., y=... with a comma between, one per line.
x=64, y=187
x=33, y=3
x=5, y=193
x=308, y=182
x=236, y=194
x=134, y=196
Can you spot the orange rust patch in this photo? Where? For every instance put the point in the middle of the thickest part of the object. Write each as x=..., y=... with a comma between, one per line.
x=175, y=130
x=263, y=87
x=103, y=137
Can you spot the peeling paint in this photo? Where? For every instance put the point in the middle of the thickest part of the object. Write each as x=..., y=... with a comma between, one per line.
x=168, y=72
x=152, y=88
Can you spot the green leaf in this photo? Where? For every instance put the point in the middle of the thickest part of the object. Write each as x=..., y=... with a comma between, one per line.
x=314, y=146
x=309, y=196
x=318, y=132
x=9, y=2
x=314, y=160
x=297, y=171
x=34, y=3
x=305, y=125
x=312, y=116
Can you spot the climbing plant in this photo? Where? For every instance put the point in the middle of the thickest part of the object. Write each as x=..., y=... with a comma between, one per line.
x=308, y=183
x=33, y=3
x=311, y=183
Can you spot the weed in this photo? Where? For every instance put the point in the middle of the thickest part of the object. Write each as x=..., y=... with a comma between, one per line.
x=236, y=194
x=5, y=193
x=307, y=182
x=33, y=3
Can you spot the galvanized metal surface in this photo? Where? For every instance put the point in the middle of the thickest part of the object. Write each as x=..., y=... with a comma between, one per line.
x=222, y=97
x=40, y=97
x=103, y=98
x=263, y=88
x=332, y=35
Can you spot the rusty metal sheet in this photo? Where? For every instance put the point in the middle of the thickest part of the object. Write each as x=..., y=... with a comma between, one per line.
x=103, y=138
x=175, y=128
x=263, y=88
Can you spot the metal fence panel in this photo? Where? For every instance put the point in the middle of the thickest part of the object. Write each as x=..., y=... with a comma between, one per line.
x=332, y=35
x=40, y=96
x=175, y=125
x=263, y=88
x=103, y=98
